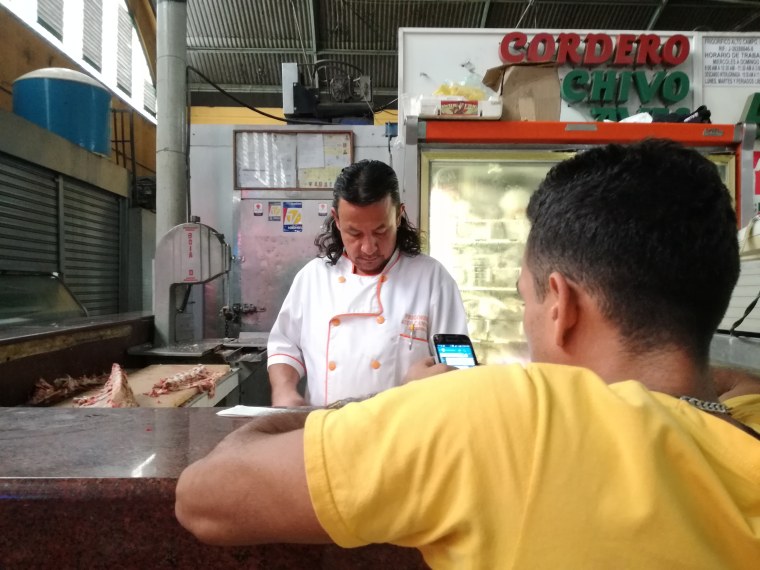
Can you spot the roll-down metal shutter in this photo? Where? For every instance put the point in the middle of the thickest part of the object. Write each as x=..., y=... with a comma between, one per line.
x=91, y=256
x=28, y=217
x=52, y=223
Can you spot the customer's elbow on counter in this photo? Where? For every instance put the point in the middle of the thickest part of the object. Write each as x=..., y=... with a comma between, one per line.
x=192, y=512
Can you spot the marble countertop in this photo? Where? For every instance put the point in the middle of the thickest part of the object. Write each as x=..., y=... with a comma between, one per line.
x=84, y=488
x=105, y=443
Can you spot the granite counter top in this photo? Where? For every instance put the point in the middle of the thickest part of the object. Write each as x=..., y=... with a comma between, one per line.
x=95, y=488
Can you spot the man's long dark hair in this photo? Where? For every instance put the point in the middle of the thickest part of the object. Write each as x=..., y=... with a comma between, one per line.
x=362, y=183
x=647, y=228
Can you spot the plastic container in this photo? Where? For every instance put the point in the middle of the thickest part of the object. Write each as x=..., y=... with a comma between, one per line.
x=68, y=103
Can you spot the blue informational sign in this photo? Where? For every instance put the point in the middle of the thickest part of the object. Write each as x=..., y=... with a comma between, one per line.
x=292, y=218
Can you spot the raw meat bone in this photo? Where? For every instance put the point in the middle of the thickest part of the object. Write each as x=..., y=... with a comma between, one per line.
x=115, y=393
x=197, y=377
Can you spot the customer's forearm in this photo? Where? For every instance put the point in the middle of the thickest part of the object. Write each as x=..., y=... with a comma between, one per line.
x=284, y=382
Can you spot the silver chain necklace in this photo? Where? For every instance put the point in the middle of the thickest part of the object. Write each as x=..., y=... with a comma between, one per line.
x=711, y=407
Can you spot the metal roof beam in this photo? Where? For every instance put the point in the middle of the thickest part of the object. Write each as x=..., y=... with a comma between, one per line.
x=272, y=51
x=289, y=51
x=381, y=52
x=238, y=88
x=752, y=3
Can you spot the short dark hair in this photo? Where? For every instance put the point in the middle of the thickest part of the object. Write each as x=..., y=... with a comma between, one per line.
x=362, y=183
x=649, y=230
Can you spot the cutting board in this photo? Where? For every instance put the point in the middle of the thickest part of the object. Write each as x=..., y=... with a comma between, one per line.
x=142, y=381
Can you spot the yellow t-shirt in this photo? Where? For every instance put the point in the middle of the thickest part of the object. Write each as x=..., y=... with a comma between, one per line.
x=538, y=467
x=746, y=409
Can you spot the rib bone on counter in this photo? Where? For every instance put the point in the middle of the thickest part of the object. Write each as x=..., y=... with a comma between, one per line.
x=48, y=393
x=197, y=377
x=115, y=393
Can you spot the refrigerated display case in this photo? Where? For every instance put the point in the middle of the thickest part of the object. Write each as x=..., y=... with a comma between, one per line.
x=476, y=226
x=476, y=180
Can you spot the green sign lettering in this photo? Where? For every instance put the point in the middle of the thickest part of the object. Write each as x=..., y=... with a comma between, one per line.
x=574, y=86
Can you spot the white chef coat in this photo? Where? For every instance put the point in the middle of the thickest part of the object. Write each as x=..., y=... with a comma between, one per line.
x=355, y=335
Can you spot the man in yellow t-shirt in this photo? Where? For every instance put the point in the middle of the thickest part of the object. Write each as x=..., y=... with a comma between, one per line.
x=611, y=450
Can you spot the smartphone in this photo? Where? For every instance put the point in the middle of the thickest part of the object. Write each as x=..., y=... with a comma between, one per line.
x=454, y=349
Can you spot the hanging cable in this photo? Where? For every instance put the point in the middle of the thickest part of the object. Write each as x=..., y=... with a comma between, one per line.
x=384, y=107
x=530, y=3
x=732, y=331
x=298, y=29
x=252, y=108
x=269, y=115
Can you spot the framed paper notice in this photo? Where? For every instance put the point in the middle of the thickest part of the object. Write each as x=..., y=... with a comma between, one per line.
x=287, y=160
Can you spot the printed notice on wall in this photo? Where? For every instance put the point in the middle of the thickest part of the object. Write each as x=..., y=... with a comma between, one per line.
x=731, y=61
x=298, y=159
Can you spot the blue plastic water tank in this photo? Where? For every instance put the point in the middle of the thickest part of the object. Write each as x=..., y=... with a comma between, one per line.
x=68, y=103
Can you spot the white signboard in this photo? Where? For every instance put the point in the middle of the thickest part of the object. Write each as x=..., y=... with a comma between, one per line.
x=731, y=61
x=723, y=69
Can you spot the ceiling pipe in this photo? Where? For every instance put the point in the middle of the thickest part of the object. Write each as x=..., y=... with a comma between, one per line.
x=484, y=13
x=171, y=115
x=656, y=15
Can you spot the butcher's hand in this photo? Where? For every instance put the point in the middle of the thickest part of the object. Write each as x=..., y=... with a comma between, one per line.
x=424, y=368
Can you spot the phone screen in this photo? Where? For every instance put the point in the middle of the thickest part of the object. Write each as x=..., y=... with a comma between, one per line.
x=457, y=355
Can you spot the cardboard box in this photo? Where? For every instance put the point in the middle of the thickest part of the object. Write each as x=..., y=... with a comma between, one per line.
x=529, y=91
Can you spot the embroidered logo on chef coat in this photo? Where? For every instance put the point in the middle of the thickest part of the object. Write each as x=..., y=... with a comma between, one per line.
x=415, y=326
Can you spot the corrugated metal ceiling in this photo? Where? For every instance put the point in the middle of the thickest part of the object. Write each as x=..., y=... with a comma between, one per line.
x=240, y=44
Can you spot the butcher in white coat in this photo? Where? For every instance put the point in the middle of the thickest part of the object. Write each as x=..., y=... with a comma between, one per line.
x=361, y=313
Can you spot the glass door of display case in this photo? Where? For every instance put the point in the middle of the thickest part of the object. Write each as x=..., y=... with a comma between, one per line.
x=473, y=213
x=476, y=178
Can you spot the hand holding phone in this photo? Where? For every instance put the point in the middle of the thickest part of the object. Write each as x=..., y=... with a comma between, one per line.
x=454, y=350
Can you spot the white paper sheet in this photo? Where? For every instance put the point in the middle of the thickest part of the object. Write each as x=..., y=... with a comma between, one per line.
x=251, y=411
x=311, y=151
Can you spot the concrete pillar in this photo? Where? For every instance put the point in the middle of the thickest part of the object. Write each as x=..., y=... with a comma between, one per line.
x=171, y=130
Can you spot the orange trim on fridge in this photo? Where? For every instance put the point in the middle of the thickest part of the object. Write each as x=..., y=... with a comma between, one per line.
x=552, y=132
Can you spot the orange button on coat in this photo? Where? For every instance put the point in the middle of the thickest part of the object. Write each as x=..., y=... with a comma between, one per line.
x=383, y=278
x=375, y=364
x=335, y=322
x=380, y=320
x=341, y=279
x=332, y=365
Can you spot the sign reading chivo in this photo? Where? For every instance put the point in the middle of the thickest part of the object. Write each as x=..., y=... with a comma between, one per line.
x=605, y=90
